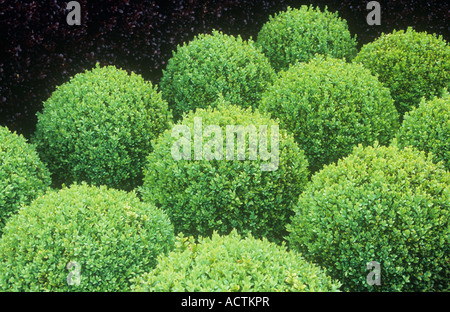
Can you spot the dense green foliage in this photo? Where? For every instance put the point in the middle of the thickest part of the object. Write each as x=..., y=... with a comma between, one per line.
x=382, y=204
x=232, y=263
x=319, y=159
x=98, y=128
x=411, y=64
x=213, y=64
x=330, y=106
x=111, y=234
x=298, y=34
x=202, y=196
x=427, y=128
x=23, y=176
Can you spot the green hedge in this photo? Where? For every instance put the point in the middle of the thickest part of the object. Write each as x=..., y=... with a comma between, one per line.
x=232, y=263
x=213, y=64
x=110, y=234
x=411, y=64
x=23, y=176
x=330, y=106
x=427, y=128
x=202, y=196
x=298, y=34
x=98, y=128
x=382, y=204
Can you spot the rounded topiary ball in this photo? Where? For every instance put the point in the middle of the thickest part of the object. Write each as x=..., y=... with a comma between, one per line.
x=213, y=64
x=411, y=64
x=202, y=189
x=382, y=205
x=232, y=263
x=427, y=128
x=298, y=34
x=82, y=238
x=98, y=128
x=330, y=106
x=23, y=176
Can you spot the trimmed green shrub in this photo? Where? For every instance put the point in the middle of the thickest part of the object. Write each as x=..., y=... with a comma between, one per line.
x=382, y=204
x=23, y=176
x=232, y=263
x=427, y=128
x=298, y=34
x=109, y=235
x=98, y=127
x=213, y=64
x=330, y=106
x=251, y=193
x=411, y=64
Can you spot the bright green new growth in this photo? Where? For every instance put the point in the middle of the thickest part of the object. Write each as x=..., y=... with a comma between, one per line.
x=298, y=34
x=214, y=64
x=23, y=176
x=111, y=234
x=427, y=128
x=381, y=204
x=202, y=196
x=231, y=263
x=98, y=128
x=330, y=106
x=411, y=64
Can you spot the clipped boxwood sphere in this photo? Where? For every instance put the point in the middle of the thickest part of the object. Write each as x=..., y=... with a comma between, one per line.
x=298, y=34
x=427, y=128
x=411, y=64
x=23, y=176
x=331, y=106
x=382, y=205
x=82, y=238
x=253, y=192
x=98, y=128
x=232, y=263
x=213, y=64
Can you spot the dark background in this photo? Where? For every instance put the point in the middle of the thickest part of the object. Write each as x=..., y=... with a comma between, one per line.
x=39, y=50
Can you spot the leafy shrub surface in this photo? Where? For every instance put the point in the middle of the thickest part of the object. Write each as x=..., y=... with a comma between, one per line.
x=202, y=196
x=427, y=128
x=23, y=176
x=41, y=51
x=381, y=204
x=111, y=234
x=231, y=263
x=411, y=64
x=213, y=64
x=98, y=128
x=298, y=34
x=330, y=106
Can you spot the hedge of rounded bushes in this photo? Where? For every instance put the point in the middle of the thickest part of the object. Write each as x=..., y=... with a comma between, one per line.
x=411, y=64
x=382, y=204
x=107, y=132
x=23, y=176
x=141, y=37
x=82, y=238
x=213, y=64
x=232, y=263
x=98, y=128
x=330, y=106
x=296, y=35
x=251, y=193
x=427, y=128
